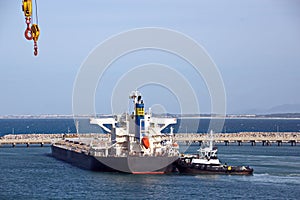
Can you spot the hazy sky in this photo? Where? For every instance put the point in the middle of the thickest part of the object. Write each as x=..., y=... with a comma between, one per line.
x=255, y=44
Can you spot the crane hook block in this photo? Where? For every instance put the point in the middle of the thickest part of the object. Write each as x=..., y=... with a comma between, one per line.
x=27, y=8
x=35, y=31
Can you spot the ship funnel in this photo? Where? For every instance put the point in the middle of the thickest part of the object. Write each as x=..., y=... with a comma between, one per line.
x=139, y=114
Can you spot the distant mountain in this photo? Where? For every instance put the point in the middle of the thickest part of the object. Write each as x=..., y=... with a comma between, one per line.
x=284, y=108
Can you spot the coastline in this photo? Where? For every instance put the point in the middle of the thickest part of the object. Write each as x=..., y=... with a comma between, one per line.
x=294, y=116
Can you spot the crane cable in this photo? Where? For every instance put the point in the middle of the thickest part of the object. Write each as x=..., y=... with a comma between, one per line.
x=32, y=31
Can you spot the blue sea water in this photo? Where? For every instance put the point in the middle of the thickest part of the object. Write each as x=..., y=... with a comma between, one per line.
x=31, y=173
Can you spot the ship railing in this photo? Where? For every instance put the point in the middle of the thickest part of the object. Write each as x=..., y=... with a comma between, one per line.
x=102, y=147
x=100, y=151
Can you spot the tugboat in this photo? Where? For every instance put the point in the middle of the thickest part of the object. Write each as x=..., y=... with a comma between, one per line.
x=207, y=162
x=134, y=144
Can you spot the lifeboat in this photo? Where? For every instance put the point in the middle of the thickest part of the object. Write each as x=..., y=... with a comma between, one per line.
x=146, y=142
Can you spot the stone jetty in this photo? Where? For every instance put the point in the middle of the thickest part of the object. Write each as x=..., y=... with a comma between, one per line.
x=265, y=138
x=42, y=139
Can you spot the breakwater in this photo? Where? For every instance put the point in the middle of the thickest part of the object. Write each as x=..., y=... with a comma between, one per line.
x=265, y=138
x=42, y=139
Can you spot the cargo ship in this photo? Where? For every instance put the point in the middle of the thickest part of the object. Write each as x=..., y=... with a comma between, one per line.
x=134, y=143
x=207, y=162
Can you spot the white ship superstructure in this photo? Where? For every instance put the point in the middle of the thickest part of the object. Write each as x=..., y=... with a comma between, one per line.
x=138, y=133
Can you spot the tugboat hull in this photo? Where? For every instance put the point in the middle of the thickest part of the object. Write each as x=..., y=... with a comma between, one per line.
x=192, y=168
